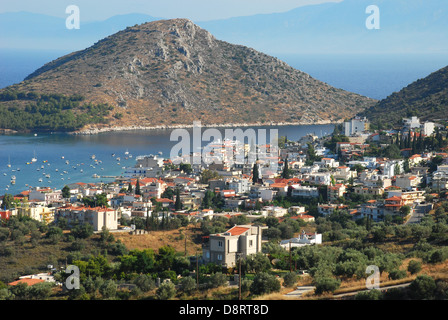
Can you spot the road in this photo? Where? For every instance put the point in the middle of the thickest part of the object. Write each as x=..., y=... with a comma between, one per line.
x=418, y=213
x=300, y=291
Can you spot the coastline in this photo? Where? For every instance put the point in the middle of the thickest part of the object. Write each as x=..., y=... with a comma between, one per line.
x=97, y=130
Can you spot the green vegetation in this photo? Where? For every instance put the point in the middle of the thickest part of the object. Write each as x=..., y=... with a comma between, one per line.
x=23, y=111
x=425, y=98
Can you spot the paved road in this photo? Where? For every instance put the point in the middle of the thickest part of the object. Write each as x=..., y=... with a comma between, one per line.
x=300, y=291
x=418, y=213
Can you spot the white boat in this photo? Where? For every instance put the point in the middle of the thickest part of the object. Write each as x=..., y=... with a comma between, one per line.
x=13, y=177
x=9, y=162
x=34, y=159
x=95, y=176
x=93, y=156
x=40, y=179
x=127, y=152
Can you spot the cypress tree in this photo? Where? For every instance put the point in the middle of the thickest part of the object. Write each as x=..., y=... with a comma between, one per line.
x=255, y=174
x=178, y=203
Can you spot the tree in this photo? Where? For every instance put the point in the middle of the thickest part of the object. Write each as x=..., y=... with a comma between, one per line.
x=138, y=191
x=8, y=201
x=66, y=192
x=326, y=284
x=217, y=279
x=414, y=266
x=108, y=289
x=144, y=282
x=264, y=283
x=405, y=211
x=369, y=295
x=185, y=167
x=423, y=287
x=188, y=284
x=82, y=231
x=166, y=291
x=290, y=279
x=129, y=187
x=255, y=174
x=178, y=203
x=286, y=174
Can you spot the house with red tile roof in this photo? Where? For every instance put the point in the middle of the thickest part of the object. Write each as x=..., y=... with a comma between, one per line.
x=224, y=248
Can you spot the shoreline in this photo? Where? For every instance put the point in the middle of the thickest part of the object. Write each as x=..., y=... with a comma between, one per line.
x=96, y=130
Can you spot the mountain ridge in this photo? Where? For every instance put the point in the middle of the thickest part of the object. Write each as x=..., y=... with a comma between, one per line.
x=172, y=72
x=426, y=98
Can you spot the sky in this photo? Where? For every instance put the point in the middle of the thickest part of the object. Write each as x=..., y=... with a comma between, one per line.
x=197, y=10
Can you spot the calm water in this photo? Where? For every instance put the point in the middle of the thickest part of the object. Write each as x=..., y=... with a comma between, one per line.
x=78, y=150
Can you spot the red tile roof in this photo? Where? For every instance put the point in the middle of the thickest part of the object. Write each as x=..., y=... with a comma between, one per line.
x=28, y=281
x=236, y=231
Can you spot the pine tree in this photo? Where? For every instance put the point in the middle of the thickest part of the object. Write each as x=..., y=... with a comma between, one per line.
x=129, y=187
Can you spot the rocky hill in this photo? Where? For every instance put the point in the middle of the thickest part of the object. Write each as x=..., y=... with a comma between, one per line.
x=425, y=98
x=172, y=72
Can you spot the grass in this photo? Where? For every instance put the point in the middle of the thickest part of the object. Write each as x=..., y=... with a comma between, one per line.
x=156, y=239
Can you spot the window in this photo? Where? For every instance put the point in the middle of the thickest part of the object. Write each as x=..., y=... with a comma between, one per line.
x=219, y=243
x=219, y=257
x=250, y=243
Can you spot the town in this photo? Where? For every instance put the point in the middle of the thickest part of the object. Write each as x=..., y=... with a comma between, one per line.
x=325, y=211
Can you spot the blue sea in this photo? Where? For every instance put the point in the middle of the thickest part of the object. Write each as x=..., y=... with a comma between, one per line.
x=375, y=76
x=113, y=151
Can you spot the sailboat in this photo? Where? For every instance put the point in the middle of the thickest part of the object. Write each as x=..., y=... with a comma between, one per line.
x=9, y=162
x=34, y=158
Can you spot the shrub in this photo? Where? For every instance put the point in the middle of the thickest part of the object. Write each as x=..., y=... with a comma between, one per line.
x=326, y=284
x=397, y=274
x=166, y=291
x=108, y=289
x=423, y=287
x=414, y=266
x=264, y=283
x=369, y=295
x=217, y=280
x=144, y=283
x=187, y=284
x=290, y=279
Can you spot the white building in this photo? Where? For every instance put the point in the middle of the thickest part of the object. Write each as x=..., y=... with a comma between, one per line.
x=356, y=125
x=304, y=239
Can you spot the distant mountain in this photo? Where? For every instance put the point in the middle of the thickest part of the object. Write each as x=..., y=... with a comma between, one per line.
x=407, y=26
x=172, y=72
x=425, y=98
x=24, y=30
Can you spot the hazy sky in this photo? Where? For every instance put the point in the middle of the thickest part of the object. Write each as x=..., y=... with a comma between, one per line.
x=198, y=10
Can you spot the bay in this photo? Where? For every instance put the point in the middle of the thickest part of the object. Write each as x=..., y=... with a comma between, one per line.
x=52, y=152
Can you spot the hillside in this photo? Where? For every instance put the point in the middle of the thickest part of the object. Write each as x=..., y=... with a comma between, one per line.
x=425, y=98
x=172, y=72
